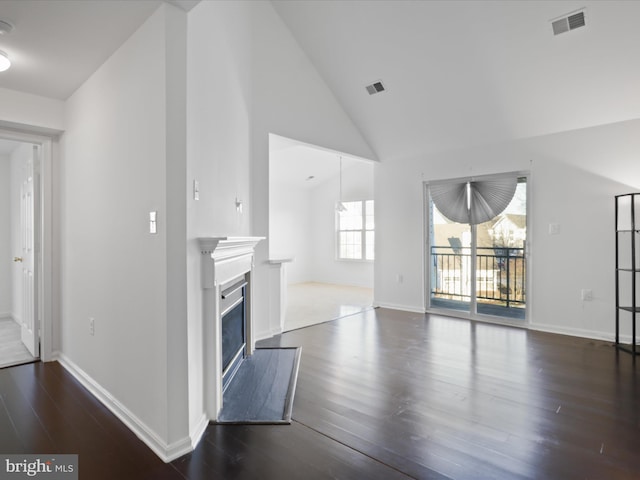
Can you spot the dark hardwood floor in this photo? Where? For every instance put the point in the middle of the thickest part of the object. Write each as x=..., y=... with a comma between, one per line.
x=381, y=395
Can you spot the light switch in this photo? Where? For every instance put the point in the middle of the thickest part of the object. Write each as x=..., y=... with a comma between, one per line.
x=196, y=190
x=554, y=229
x=153, y=224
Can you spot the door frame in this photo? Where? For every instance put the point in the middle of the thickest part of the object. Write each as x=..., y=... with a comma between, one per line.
x=427, y=256
x=44, y=263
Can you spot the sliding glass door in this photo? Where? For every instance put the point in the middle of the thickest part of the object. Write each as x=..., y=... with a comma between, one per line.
x=477, y=246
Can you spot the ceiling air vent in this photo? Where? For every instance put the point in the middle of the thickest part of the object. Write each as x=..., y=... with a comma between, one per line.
x=568, y=22
x=375, y=87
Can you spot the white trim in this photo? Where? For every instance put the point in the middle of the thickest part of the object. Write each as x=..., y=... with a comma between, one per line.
x=395, y=306
x=166, y=452
x=198, y=431
x=363, y=233
x=577, y=332
x=267, y=334
x=45, y=138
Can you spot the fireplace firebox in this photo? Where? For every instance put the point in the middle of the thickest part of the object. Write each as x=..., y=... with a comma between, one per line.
x=233, y=319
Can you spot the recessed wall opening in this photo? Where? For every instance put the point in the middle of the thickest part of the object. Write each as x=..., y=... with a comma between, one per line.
x=321, y=231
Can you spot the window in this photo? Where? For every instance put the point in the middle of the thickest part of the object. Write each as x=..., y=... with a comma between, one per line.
x=356, y=231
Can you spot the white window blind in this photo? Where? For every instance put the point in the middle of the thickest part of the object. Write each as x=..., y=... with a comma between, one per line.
x=473, y=202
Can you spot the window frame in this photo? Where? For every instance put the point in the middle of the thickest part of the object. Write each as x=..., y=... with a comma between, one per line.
x=363, y=232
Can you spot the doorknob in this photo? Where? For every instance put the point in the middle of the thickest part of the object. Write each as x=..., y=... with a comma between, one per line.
x=17, y=259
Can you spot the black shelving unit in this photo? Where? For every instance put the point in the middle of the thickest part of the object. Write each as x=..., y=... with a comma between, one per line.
x=627, y=266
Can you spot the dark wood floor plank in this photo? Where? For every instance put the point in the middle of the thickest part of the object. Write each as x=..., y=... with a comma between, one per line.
x=483, y=397
x=10, y=438
x=95, y=414
x=24, y=421
x=53, y=413
x=381, y=394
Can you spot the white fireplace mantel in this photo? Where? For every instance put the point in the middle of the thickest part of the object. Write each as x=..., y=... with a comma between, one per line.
x=224, y=247
x=224, y=259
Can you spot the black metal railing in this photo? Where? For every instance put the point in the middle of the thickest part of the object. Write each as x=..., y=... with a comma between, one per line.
x=500, y=274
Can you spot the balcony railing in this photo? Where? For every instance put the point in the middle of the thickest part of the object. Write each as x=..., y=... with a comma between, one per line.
x=500, y=274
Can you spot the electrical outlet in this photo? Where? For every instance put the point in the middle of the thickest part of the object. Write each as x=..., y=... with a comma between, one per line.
x=92, y=326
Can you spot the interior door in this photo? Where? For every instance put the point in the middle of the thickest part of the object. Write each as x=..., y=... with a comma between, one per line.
x=28, y=203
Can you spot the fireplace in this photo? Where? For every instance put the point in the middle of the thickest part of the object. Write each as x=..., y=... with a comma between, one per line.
x=227, y=271
x=233, y=327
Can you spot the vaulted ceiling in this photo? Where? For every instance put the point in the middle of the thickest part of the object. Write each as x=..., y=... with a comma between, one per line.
x=457, y=73
x=56, y=45
x=464, y=73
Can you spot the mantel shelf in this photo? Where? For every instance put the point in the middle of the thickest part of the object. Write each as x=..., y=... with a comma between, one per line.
x=226, y=246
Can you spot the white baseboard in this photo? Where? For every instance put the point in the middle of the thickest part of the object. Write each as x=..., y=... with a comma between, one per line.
x=542, y=327
x=267, y=334
x=9, y=316
x=198, y=430
x=577, y=332
x=396, y=306
x=166, y=452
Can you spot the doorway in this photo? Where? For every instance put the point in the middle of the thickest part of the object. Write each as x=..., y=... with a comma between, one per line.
x=476, y=240
x=19, y=174
x=26, y=242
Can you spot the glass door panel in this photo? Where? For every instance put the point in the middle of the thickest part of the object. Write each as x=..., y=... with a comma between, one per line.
x=450, y=262
x=500, y=260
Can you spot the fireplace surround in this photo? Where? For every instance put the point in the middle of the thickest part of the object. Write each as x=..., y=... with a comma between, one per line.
x=227, y=271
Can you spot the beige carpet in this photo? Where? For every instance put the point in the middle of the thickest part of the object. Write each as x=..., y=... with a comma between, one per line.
x=12, y=350
x=311, y=303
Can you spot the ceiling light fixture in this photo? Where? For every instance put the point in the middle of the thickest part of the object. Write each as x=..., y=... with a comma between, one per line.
x=5, y=63
x=5, y=27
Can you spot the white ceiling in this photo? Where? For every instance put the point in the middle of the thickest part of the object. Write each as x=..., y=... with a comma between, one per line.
x=464, y=73
x=458, y=73
x=291, y=164
x=57, y=44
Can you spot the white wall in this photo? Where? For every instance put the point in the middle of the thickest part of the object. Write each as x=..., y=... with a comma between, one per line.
x=290, y=99
x=574, y=176
x=6, y=252
x=291, y=223
x=218, y=119
x=123, y=155
x=31, y=110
